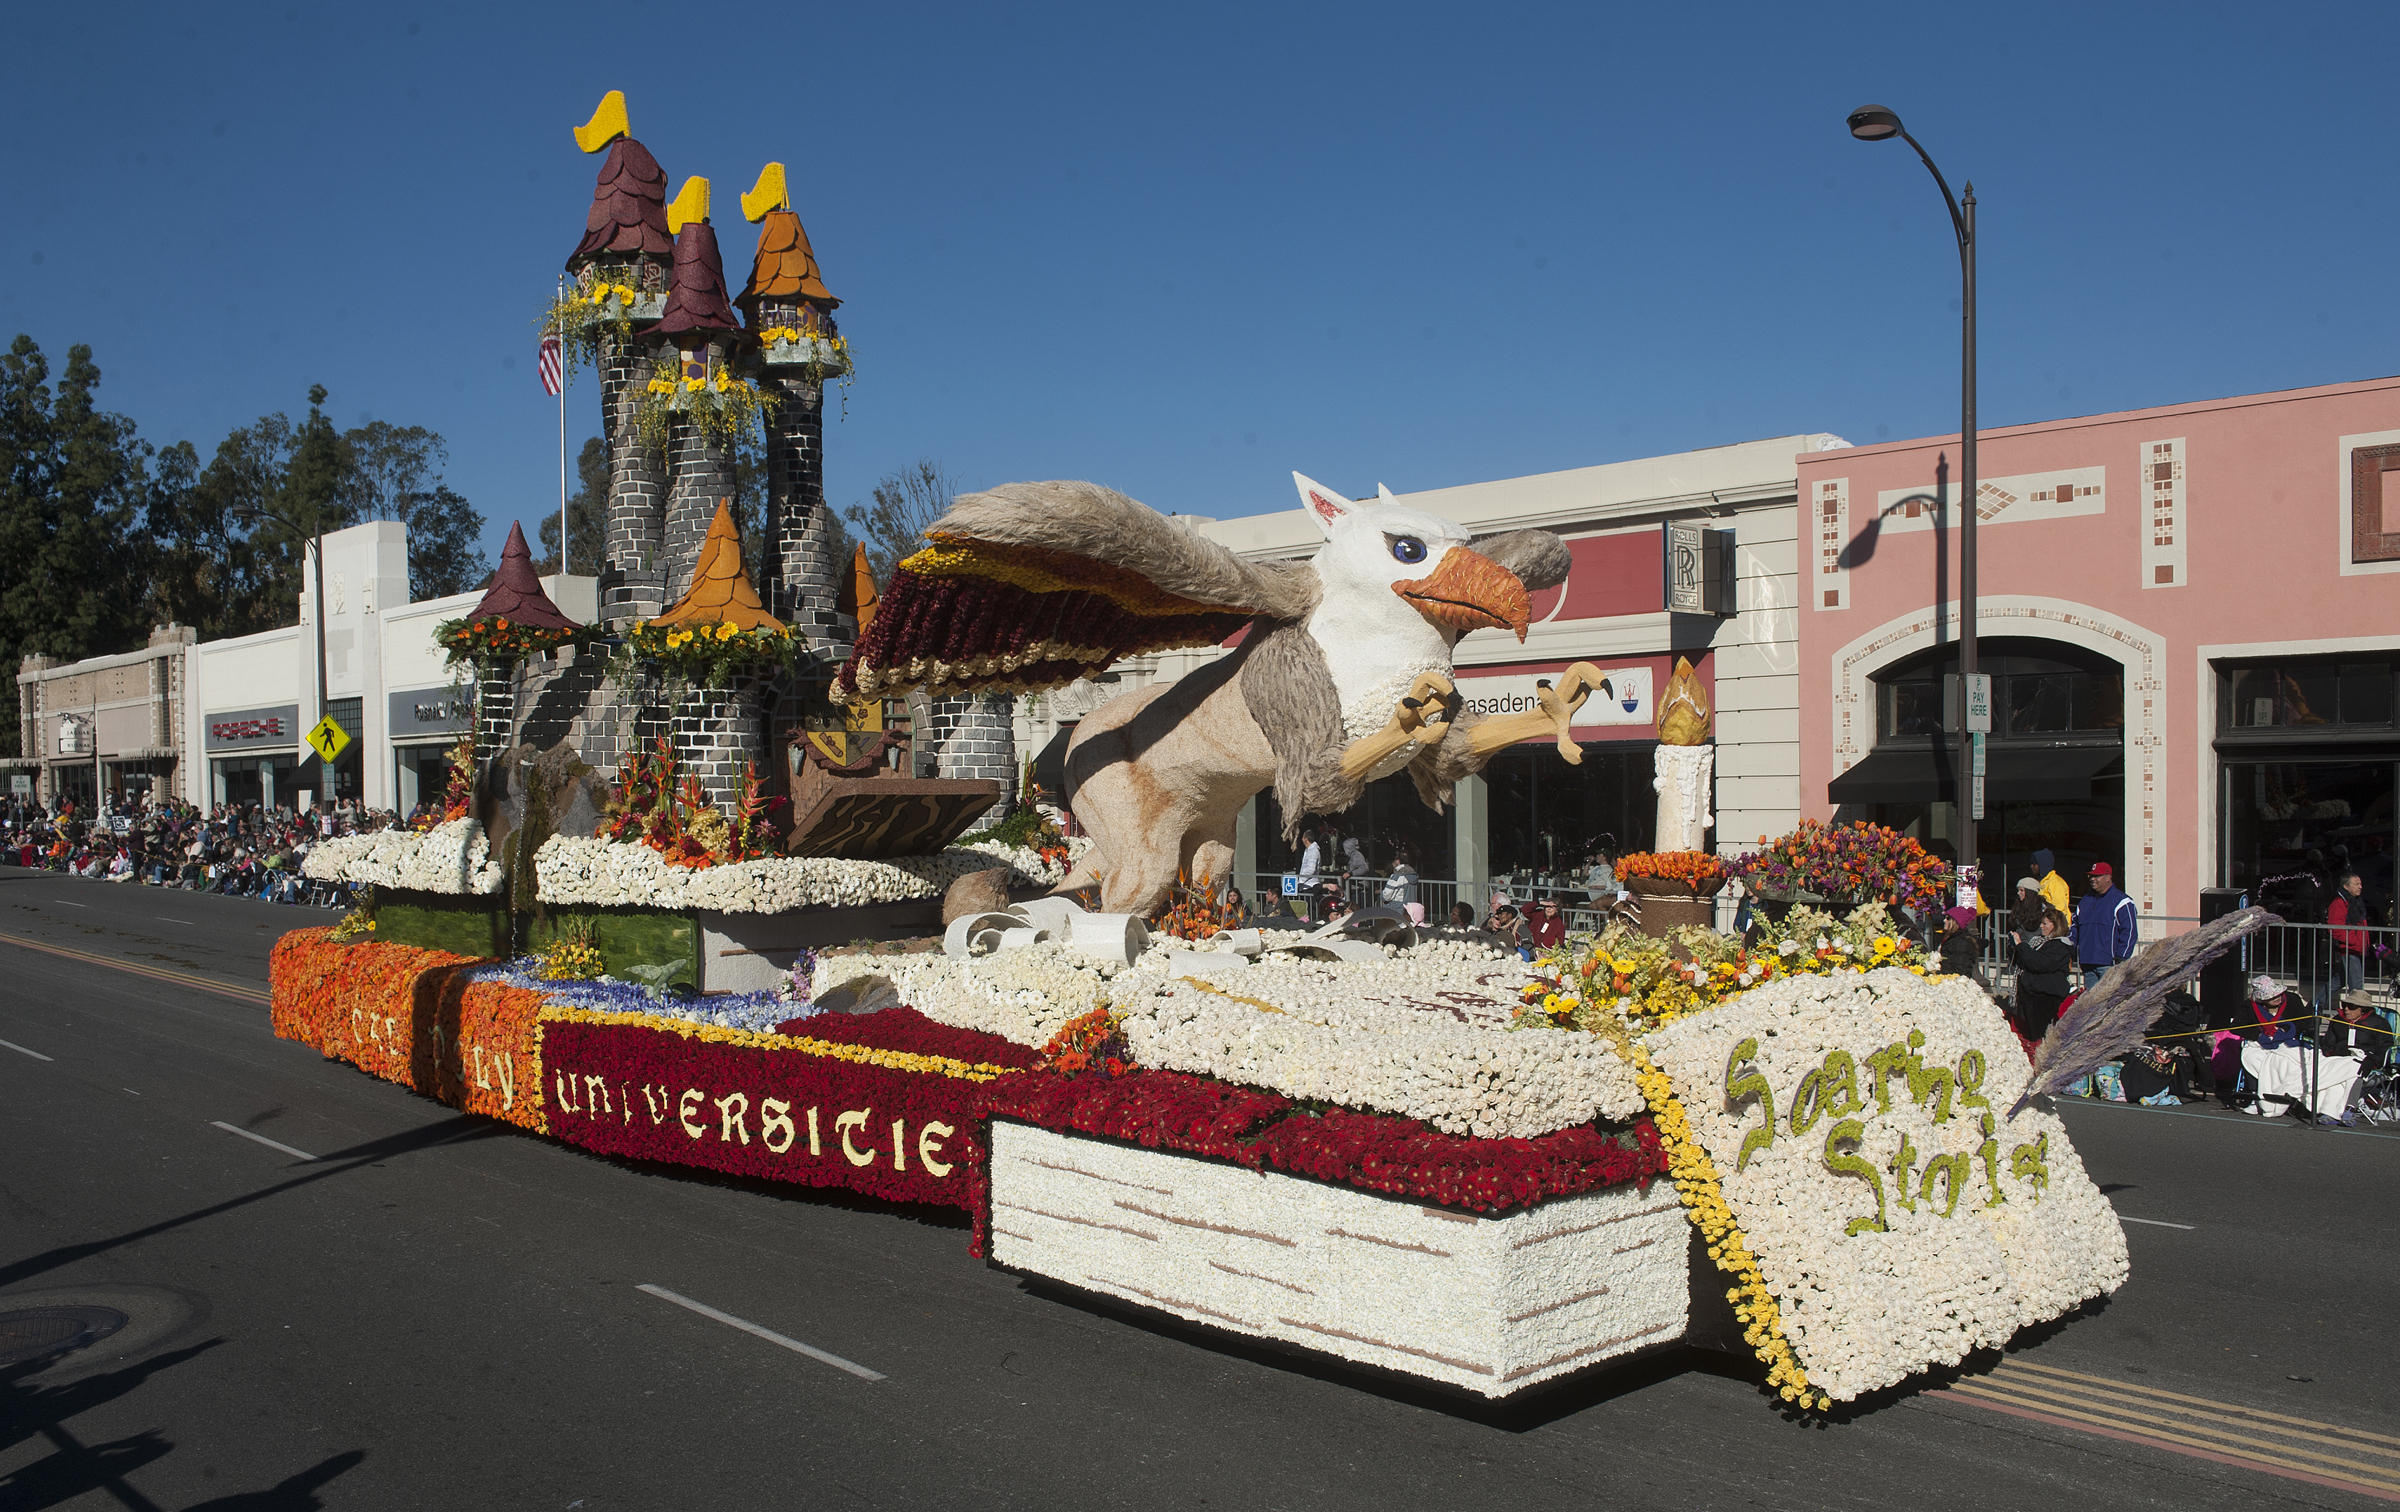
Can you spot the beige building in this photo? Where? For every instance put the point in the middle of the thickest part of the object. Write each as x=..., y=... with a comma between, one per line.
x=106, y=724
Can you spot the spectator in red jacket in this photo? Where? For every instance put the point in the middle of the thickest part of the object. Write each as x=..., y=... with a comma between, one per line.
x=2347, y=914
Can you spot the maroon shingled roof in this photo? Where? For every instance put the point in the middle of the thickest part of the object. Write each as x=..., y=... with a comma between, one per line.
x=629, y=207
x=516, y=594
x=696, y=286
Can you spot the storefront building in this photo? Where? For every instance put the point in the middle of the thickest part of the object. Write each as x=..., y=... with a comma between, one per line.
x=1531, y=815
x=241, y=708
x=106, y=726
x=2192, y=626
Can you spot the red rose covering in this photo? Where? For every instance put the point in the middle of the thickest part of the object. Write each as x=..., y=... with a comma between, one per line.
x=885, y=1123
x=1373, y=1152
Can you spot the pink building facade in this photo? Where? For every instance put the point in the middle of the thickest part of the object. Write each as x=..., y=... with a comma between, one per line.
x=2192, y=615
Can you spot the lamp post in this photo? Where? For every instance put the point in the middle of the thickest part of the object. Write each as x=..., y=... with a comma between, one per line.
x=1875, y=123
x=251, y=514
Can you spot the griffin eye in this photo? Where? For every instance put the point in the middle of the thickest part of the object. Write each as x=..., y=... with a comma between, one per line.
x=1408, y=549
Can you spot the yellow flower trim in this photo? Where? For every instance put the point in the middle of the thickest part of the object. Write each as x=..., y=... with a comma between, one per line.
x=1037, y=570
x=1703, y=1194
x=715, y=1034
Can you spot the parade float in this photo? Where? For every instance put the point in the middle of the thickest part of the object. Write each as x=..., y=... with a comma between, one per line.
x=729, y=917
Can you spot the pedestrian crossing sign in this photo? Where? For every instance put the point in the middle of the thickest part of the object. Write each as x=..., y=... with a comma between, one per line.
x=328, y=740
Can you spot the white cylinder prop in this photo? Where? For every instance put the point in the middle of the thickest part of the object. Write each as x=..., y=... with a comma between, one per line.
x=1685, y=777
x=1111, y=937
x=977, y=934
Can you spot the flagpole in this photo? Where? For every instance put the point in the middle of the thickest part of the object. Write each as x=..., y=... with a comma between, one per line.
x=562, y=450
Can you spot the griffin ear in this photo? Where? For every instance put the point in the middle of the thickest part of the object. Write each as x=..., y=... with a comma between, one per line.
x=1324, y=505
x=1384, y=495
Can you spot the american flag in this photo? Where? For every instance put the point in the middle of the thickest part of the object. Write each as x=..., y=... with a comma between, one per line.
x=548, y=366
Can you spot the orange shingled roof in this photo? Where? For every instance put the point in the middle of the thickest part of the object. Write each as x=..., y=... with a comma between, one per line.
x=721, y=591
x=786, y=266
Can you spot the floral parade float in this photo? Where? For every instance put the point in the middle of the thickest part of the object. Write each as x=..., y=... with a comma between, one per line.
x=1401, y=1147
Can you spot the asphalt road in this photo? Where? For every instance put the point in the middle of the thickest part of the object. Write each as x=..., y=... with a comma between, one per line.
x=439, y=1312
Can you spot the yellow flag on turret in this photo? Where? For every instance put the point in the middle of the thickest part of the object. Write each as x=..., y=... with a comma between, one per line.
x=767, y=194
x=689, y=206
x=606, y=125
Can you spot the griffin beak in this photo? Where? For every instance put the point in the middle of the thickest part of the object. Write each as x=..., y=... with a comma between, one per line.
x=1469, y=591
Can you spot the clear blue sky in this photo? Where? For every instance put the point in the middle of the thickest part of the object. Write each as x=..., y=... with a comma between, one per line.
x=1186, y=251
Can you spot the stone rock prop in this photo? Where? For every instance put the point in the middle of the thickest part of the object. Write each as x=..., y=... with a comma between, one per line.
x=975, y=893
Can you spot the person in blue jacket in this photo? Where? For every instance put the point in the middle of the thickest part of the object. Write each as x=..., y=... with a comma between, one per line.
x=2107, y=925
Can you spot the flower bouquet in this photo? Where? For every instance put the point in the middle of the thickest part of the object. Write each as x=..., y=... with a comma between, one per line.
x=1672, y=874
x=498, y=639
x=1845, y=865
x=708, y=655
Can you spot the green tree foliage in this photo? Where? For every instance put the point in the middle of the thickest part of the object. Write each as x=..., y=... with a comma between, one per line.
x=587, y=516
x=73, y=482
x=396, y=474
x=231, y=544
x=893, y=521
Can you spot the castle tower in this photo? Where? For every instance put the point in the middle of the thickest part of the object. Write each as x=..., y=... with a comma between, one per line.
x=791, y=317
x=626, y=245
x=699, y=333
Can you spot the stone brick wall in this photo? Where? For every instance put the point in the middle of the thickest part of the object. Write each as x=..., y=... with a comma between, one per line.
x=631, y=581
x=700, y=472
x=804, y=576
x=972, y=736
x=495, y=710
x=717, y=732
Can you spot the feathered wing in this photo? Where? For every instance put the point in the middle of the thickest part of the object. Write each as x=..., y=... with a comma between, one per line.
x=1031, y=585
x=2113, y=1015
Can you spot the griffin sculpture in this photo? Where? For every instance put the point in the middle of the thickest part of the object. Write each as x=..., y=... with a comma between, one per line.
x=1341, y=672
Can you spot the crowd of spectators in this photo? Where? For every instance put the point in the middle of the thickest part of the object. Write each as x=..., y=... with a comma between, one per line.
x=238, y=849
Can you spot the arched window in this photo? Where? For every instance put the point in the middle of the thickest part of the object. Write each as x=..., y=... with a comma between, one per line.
x=2041, y=690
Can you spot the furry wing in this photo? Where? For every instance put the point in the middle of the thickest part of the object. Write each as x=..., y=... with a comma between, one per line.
x=1031, y=585
x=2113, y=1015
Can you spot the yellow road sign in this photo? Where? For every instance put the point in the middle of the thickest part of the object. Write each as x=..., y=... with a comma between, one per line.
x=328, y=740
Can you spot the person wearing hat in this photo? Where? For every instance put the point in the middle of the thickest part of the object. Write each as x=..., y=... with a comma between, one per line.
x=2053, y=887
x=2107, y=925
x=2026, y=913
x=2288, y=1076
x=1960, y=950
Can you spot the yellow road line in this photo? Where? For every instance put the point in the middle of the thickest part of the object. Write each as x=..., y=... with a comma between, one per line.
x=2266, y=1450
x=2153, y=1441
x=2009, y=1367
x=155, y=973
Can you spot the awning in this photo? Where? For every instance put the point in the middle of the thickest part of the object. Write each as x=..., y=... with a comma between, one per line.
x=2011, y=774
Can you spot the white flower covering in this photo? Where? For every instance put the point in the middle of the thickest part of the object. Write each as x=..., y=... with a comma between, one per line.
x=449, y=858
x=1423, y=1032
x=1490, y=1304
x=1867, y=1310
x=618, y=874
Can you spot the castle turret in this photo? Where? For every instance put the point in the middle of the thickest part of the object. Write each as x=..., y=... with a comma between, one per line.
x=699, y=333
x=791, y=316
x=623, y=259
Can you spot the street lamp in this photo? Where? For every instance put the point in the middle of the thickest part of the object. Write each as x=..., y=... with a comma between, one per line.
x=1875, y=123
x=250, y=515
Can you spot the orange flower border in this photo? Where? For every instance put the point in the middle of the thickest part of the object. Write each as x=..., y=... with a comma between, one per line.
x=411, y=1016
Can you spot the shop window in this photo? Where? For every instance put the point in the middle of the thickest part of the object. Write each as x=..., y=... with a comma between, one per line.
x=2039, y=690
x=2308, y=693
x=2291, y=825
